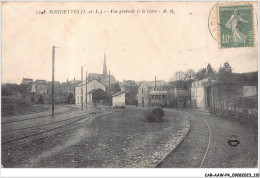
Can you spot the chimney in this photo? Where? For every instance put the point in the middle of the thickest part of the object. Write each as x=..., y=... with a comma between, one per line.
x=155, y=84
x=104, y=65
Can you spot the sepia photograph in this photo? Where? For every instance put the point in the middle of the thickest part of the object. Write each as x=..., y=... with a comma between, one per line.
x=130, y=85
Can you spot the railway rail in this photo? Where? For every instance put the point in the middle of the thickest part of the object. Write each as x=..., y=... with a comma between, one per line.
x=208, y=145
x=209, y=139
x=74, y=119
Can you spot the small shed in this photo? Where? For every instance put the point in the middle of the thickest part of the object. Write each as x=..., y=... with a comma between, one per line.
x=118, y=99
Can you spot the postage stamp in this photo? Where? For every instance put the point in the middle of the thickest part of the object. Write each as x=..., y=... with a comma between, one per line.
x=236, y=26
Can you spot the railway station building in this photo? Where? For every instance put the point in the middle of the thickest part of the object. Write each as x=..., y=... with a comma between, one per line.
x=92, y=87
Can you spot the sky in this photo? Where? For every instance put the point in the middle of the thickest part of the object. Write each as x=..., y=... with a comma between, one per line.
x=138, y=46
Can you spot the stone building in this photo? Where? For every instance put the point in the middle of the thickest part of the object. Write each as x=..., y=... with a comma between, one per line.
x=91, y=85
x=27, y=81
x=199, y=93
x=145, y=88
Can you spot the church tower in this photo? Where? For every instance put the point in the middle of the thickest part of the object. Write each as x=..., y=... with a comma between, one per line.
x=104, y=65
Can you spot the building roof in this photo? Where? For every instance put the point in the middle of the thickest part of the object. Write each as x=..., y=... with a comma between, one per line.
x=28, y=79
x=40, y=80
x=103, y=78
x=158, y=92
x=119, y=93
x=94, y=90
x=205, y=82
x=151, y=84
x=220, y=83
x=84, y=82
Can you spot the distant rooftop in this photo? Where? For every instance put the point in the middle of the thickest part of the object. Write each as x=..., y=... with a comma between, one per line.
x=103, y=78
x=151, y=84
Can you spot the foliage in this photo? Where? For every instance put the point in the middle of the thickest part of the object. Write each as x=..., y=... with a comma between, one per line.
x=13, y=105
x=180, y=84
x=40, y=99
x=206, y=72
x=115, y=88
x=70, y=98
x=10, y=89
x=132, y=91
x=210, y=71
x=178, y=76
x=201, y=74
x=190, y=74
x=155, y=115
x=225, y=73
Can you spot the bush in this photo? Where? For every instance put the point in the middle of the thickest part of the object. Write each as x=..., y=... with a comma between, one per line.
x=40, y=99
x=70, y=98
x=155, y=114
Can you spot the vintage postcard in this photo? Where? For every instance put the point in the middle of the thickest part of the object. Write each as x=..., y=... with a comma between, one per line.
x=130, y=85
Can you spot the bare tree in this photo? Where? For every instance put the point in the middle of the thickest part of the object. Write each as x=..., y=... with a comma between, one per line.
x=190, y=74
x=178, y=76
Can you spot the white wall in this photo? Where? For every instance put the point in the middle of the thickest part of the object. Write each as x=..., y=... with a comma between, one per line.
x=198, y=94
x=143, y=94
x=119, y=100
x=94, y=84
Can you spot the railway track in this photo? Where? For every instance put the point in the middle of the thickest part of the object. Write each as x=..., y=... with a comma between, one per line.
x=208, y=145
x=74, y=120
x=30, y=118
x=209, y=140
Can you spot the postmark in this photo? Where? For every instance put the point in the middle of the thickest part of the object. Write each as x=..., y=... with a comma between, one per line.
x=235, y=25
x=213, y=23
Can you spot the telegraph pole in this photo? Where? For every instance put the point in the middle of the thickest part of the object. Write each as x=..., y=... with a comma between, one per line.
x=52, y=90
x=82, y=88
x=86, y=89
x=190, y=89
x=109, y=89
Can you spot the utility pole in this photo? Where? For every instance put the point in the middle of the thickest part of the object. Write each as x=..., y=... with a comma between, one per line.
x=190, y=89
x=86, y=89
x=82, y=88
x=109, y=89
x=52, y=92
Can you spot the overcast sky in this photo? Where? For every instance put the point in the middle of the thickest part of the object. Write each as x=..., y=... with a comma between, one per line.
x=137, y=46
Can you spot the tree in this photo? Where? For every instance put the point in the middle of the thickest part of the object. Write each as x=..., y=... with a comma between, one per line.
x=209, y=70
x=225, y=73
x=132, y=91
x=180, y=84
x=115, y=88
x=71, y=99
x=190, y=74
x=40, y=99
x=227, y=67
x=178, y=76
x=201, y=74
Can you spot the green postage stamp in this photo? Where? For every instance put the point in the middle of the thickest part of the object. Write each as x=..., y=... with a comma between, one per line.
x=236, y=25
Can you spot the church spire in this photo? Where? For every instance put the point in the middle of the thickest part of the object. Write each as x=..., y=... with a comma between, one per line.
x=104, y=65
